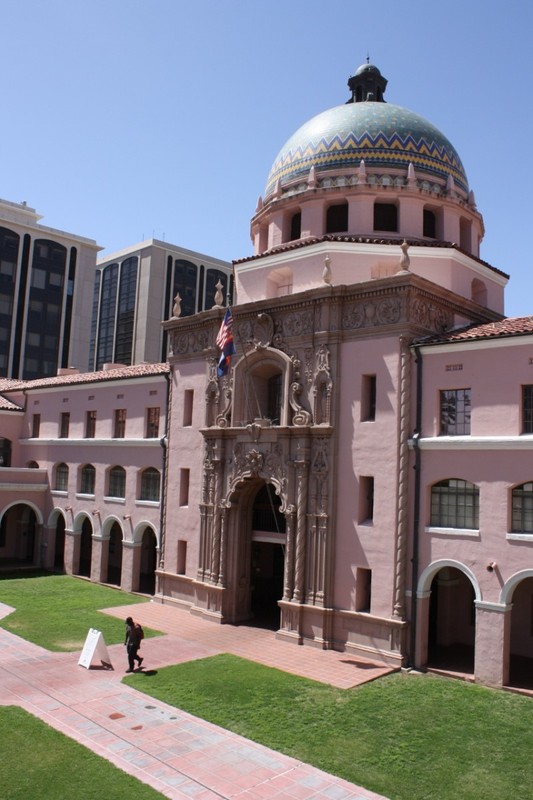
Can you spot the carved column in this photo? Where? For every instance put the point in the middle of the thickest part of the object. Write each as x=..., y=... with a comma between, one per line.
x=301, y=468
x=403, y=478
x=224, y=521
x=206, y=514
x=322, y=528
x=215, y=541
x=289, y=553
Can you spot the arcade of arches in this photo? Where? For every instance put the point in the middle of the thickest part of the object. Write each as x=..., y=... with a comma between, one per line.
x=107, y=558
x=451, y=617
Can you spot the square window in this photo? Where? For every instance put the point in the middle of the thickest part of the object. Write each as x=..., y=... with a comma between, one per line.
x=455, y=405
x=527, y=409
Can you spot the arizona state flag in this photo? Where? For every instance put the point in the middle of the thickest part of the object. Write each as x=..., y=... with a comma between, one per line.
x=225, y=343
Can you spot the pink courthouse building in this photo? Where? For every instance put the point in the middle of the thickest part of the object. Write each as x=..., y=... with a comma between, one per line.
x=358, y=480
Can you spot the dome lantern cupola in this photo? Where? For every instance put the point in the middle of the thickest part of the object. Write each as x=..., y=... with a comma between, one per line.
x=367, y=168
x=367, y=85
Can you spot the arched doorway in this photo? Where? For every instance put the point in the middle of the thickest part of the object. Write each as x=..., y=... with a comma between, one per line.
x=18, y=536
x=148, y=562
x=59, y=548
x=267, y=557
x=114, y=563
x=86, y=549
x=452, y=622
x=521, y=641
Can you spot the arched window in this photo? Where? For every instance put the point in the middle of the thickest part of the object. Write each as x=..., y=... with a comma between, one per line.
x=296, y=226
x=455, y=504
x=337, y=218
x=61, y=481
x=117, y=482
x=88, y=473
x=522, y=505
x=263, y=399
x=150, y=484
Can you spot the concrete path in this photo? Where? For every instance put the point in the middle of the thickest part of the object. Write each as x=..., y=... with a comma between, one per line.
x=181, y=756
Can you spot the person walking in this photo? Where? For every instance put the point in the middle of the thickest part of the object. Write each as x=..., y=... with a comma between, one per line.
x=132, y=642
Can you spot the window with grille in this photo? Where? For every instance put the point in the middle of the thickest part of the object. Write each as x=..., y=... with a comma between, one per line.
x=35, y=426
x=64, y=425
x=455, y=406
x=117, y=482
x=88, y=474
x=119, y=430
x=152, y=422
x=90, y=424
x=522, y=505
x=527, y=409
x=61, y=482
x=455, y=504
x=150, y=484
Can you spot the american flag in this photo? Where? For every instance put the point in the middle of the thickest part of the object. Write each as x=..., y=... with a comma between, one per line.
x=225, y=343
x=225, y=333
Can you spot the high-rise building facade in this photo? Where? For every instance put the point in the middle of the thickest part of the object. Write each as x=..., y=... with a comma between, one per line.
x=137, y=287
x=46, y=280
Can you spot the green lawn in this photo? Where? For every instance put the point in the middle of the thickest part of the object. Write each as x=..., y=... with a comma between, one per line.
x=56, y=611
x=38, y=763
x=409, y=737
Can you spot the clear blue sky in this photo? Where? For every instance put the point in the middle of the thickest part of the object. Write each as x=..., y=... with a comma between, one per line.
x=126, y=119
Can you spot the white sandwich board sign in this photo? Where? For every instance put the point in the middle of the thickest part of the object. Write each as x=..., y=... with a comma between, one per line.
x=94, y=651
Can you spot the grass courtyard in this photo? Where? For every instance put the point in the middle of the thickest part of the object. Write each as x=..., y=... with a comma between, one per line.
x=405, y=736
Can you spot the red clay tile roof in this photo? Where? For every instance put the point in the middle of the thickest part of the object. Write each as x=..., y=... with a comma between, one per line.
x=120, y=373
x=331, y=237
x=7, y=405
x=511, y=326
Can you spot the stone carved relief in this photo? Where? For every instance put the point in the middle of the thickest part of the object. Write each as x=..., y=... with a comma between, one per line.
x=223, y=419
x=353, y=316
x=300, y=417
x=249, y=461
x=212, y=393
x=323, y=387
x=309, y=356
x=277, y=339
x=429, y=315
x=190, y=342
x=298, y=323
x=208, y=487
x=244, y=334
x=263, y=331
x=382, y=312
x=389, y=311
x=320, y=472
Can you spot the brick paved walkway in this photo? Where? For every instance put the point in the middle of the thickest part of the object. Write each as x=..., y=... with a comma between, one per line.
x=181, y=756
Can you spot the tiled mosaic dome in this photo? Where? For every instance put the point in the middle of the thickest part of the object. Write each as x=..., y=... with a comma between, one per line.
x=385, y=136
